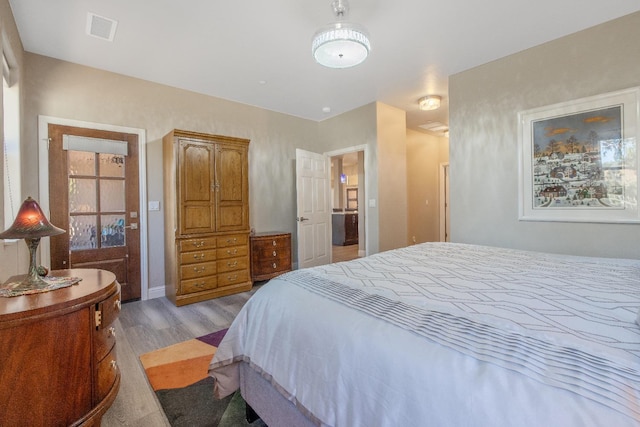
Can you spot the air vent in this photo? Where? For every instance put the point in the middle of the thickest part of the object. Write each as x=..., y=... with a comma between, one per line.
x=101, y=27
x=435, y=127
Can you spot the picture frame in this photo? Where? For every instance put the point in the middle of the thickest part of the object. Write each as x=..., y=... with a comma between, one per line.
x=579, y=160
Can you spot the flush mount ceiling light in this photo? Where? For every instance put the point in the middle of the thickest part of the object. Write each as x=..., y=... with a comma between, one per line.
x=341, y=44
x=430, y=102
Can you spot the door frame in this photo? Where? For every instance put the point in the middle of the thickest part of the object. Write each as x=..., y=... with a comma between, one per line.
x=43, y=183
x=444, y=201
x=365, y=185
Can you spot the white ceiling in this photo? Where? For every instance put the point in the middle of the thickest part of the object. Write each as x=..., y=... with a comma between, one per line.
x=258, y=52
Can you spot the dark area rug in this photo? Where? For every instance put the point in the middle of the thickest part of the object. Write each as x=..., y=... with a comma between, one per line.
x=195, y=406
x=178, y=375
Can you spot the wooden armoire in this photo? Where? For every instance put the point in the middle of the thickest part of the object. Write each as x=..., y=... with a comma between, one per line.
x=206, y=213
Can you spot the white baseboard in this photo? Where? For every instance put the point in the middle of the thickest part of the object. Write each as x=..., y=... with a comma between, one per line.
x=361, y=253
x=155, y=292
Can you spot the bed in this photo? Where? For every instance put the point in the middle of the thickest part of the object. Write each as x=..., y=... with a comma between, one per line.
x=441, y=334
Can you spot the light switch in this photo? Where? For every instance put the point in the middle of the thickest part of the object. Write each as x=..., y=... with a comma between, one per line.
x=372, y=203
x=154, y=205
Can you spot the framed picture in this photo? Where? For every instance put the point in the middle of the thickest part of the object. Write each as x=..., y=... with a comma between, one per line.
x=579, y=160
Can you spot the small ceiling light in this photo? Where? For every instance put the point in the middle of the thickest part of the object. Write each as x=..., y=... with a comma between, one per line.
x=341, y=44
x=430, y=102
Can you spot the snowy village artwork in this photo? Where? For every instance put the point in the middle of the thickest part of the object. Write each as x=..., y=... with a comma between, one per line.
x=580, y=160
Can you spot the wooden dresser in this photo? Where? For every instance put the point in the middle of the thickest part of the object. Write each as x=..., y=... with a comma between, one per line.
x=58, y=359
x=206, y=196
x=270, y=255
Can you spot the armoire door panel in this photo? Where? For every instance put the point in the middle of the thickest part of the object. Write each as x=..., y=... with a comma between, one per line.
x=197, y=176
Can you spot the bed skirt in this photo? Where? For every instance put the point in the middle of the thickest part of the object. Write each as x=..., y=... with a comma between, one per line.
x=267, y=402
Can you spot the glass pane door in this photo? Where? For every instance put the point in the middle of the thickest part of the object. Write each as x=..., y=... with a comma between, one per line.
x=96, y=200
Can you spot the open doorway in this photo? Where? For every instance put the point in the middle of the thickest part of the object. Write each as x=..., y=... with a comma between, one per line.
x=347, y=203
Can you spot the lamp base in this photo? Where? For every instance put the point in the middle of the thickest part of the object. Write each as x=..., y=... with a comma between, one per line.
x=31, y=282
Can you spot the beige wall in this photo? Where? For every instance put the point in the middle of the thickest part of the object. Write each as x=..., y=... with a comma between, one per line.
x=425, y=154
x=392, y=176
x=14, y=257
x=484, y=142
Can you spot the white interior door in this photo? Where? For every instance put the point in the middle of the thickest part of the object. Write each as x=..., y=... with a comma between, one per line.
x=314, y=213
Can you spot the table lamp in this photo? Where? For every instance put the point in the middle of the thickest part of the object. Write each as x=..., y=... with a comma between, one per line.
x=31, y=225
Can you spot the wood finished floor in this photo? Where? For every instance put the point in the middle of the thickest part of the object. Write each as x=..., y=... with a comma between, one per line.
x=144, y=326
x=344, y=253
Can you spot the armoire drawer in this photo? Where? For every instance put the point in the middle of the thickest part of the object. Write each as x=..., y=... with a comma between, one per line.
x=232, y=277
x=195, y=271
x=197, y=256
x=232, y=264
x=232, y=252
x=197, y=285
x=232, y=240
x=197, y=244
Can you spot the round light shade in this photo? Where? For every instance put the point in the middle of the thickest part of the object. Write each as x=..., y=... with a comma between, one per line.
x=430, y=102
x=340, y=45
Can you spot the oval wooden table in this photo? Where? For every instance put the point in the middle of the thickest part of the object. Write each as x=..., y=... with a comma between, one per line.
x=57, y=352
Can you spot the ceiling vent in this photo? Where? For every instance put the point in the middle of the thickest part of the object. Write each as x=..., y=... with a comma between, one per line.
x=101, y=27
x=435, y=127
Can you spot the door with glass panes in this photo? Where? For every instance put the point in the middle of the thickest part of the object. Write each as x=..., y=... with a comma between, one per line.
x=93, y=193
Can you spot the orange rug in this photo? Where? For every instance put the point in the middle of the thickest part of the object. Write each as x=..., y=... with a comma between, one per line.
x=182, y=364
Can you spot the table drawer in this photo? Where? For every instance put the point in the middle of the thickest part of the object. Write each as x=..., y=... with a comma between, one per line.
x=196, y=271
x=271, y=252
x=277, y=243
x=106, y=374
x=271, y=266
x=105, y=339
x=109, y=310
x=197, y=256
x=197, y=244
x=232, y=252
x=197, y=285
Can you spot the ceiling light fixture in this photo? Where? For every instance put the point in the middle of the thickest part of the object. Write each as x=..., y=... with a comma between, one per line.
x=340, y=44
x=429, y=102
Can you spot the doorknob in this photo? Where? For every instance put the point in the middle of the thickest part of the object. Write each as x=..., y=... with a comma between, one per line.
x=301, y=218
x=133, y=226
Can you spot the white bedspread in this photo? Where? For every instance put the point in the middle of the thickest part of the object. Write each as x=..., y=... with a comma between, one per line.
x=448, y=335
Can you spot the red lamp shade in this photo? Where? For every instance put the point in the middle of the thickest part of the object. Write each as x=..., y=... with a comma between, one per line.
x=30, y=223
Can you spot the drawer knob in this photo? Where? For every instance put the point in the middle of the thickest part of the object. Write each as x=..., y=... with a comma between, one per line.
x=274, y=265
x=199, y=270
x=117, y=304
x=234, y=252
x=199, y=285
x=113, y=364
x=230, y=278
x=196, y=256
x=232, y=264
x=274, y=243
x=111, y=332
x=275, y=253
x=198, y=244
x=234, y=240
